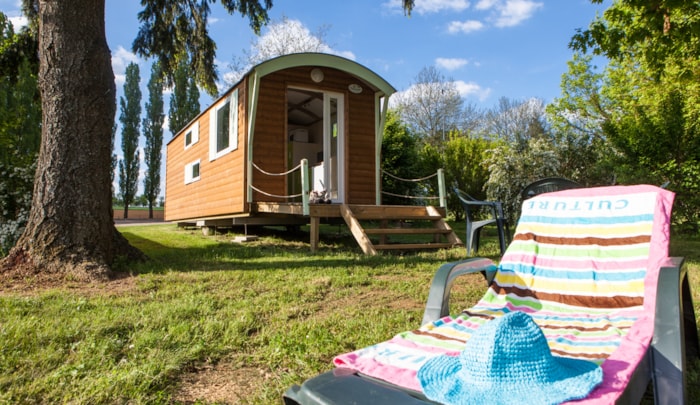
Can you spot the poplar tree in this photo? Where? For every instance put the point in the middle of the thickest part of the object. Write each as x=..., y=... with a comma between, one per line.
x=192, y=100
x=184, y=101
x=130, y=119
x=153, y=132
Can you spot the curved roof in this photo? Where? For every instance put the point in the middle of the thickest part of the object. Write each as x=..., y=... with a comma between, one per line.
x=324, y=60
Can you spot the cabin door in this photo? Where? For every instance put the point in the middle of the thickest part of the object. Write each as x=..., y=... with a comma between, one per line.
x=316, y=122
x=333, y=142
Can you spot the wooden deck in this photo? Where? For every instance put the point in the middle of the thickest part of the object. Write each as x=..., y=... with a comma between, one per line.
x=382, y=222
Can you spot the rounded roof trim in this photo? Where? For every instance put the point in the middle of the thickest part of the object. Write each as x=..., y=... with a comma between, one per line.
x=324, y=60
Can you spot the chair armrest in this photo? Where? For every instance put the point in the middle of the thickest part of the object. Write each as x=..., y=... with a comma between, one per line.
x=485, y=203
x=343, y=386
x=438, y=304
x=675, y=333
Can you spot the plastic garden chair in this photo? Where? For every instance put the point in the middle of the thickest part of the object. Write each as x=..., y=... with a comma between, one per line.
x=494, y=216
x=590, y=267
x=547, y=185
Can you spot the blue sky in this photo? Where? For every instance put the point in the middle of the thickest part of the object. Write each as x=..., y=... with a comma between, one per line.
x=491, y=48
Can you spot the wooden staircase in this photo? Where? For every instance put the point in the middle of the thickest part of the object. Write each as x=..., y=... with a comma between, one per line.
x=380, y=222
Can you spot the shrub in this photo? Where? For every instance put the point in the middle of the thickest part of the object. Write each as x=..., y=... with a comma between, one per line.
x=16, y=184
x=511, y=169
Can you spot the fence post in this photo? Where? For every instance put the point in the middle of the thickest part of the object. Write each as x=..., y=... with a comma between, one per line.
x=441, y=188
x=305, y=186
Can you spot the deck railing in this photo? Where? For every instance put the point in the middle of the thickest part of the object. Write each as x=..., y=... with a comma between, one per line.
x=440, y=174
x=303, y=168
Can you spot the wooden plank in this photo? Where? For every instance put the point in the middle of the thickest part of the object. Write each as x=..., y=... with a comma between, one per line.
x=215, y=223
x=316, y=210
x=314, y=233
x=442, y=224
x=413, y=246
x=406, y=231
x=382, y=238
x=273, y=220
x=325, y=210
x=393, y=212
x=357, y=231
x=277, y=208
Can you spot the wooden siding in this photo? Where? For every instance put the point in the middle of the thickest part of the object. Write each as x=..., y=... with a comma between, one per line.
x=269, y=139
x=360, y=149
x=270, y=142
x=221, y=187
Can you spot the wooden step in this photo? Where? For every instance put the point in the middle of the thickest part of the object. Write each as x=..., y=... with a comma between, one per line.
x=406, y=231
x=353, y=214
x=394, y=212
x=413, y=246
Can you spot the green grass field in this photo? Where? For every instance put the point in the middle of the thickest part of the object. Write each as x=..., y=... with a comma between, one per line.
x=269, y=309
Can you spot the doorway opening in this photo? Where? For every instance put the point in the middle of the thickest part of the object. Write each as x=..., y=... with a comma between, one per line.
x=315, y=122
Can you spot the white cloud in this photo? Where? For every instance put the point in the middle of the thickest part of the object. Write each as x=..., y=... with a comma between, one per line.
x=284, y=37
x=13, y=10
x=472, y=89
x=430, y=6
x=436, y=6
x=464, y=89
x=345, y=54
x=230, y=78
x=485, y=4
x=119, y=79
x=120, y=59
x=501, y=13
x=450, y=63
x=466, y=27
x=18, y=22
x=513, y=12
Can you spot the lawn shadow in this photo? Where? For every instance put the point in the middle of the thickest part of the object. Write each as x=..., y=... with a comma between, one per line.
x=275, y=249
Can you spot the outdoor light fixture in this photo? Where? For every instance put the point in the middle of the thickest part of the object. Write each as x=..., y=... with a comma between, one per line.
x=317, y=75
x=355, y=88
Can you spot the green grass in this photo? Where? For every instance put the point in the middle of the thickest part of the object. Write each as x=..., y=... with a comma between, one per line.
x=269, y=306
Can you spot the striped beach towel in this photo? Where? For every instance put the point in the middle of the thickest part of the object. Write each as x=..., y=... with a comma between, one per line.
x=583, y=264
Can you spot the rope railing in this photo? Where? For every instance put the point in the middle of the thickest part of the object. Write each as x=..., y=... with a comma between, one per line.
x=441, y=187
x=275, y=195
x=411, y=197
x=410, y=180
x=297, y=167
x=303, y=167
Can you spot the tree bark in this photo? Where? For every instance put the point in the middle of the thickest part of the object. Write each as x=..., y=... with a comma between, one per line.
x=71, y=229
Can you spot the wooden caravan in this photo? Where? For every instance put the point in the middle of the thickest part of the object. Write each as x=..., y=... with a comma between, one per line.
x=292, y=126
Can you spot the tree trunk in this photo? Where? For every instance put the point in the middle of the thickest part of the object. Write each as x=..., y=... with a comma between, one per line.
x=71, y=229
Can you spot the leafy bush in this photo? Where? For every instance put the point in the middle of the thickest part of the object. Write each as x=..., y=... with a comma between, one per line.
x=16, y=185
x=462, y=159
x=512, y=168
x=399, y=158
x=659, y=141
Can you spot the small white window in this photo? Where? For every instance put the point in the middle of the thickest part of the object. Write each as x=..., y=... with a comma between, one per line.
x=192, y=135
x=192, y=172
x=223, y=127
